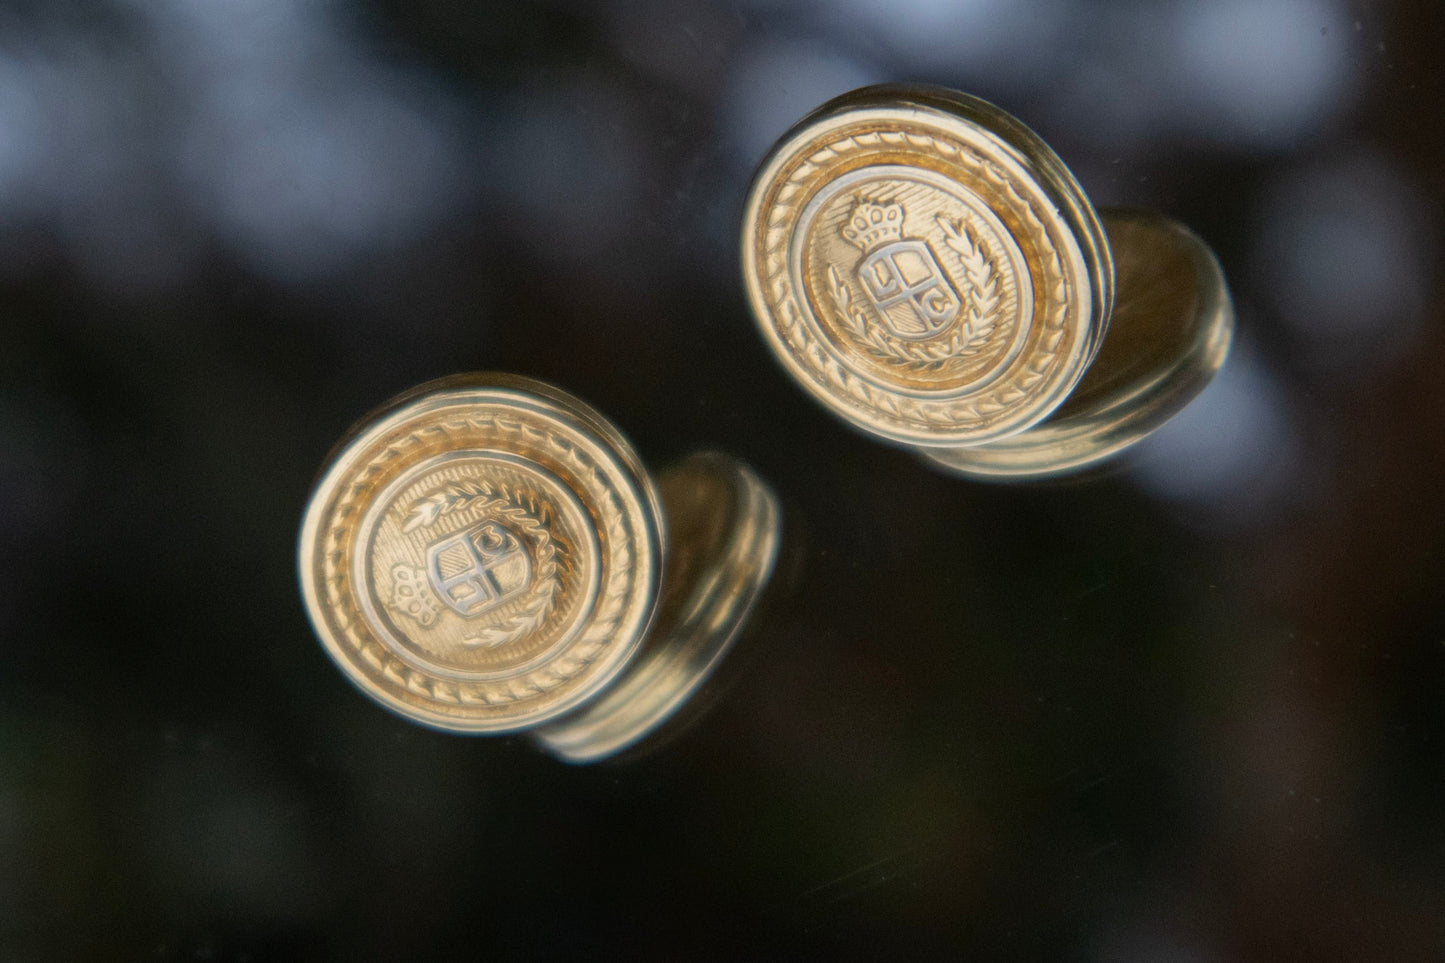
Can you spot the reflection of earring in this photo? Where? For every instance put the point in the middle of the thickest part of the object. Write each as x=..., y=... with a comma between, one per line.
x=931, y=271
x=486, y=554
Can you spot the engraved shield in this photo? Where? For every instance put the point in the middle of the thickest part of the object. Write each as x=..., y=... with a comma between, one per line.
x=477, y=569
x=909, y=289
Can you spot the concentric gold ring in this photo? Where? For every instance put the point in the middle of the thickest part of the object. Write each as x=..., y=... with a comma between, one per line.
x=926, y=267
x=480, y=558
x=486, y=554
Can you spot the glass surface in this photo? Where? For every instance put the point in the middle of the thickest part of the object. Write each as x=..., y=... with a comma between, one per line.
x=1186, y=708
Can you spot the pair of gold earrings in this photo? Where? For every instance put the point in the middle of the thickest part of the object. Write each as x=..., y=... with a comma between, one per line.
x=487, y=554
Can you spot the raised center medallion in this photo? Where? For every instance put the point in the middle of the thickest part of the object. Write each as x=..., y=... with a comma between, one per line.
x=921, y=274
x=900, y=276
x=483, y=555
x=913, y=277
x=478, y=563
x=479, y=569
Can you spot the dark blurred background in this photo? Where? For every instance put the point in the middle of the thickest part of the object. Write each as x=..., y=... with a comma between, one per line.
x=1188, y=709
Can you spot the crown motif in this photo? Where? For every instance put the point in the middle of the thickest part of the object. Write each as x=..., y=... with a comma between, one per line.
x=411, y=595
x=872, y=224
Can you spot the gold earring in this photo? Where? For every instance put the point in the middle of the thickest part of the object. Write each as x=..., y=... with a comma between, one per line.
x=486, y=554
x=928, y=269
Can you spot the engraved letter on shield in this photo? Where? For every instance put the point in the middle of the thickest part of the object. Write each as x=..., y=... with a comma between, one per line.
x=901, y=276
x=475, y=570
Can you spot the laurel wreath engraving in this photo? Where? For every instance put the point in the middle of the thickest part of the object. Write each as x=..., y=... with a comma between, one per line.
x=519, y=617
x=985, y=290
x=977, y=411
x=983, y=299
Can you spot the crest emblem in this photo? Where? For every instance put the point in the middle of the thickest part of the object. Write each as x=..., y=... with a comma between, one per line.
x=475, y=570
x=900, y=276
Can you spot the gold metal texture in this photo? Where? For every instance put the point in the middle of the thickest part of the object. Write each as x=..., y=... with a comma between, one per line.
x=928, y=269
x=724, y=530
x=487, y=554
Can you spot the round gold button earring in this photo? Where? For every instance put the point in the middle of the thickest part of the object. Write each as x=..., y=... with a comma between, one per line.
x=927, y=268
x=486, y=554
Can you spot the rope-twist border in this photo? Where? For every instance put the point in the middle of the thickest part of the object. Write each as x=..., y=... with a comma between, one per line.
x=950, y=414
x=612, y=599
